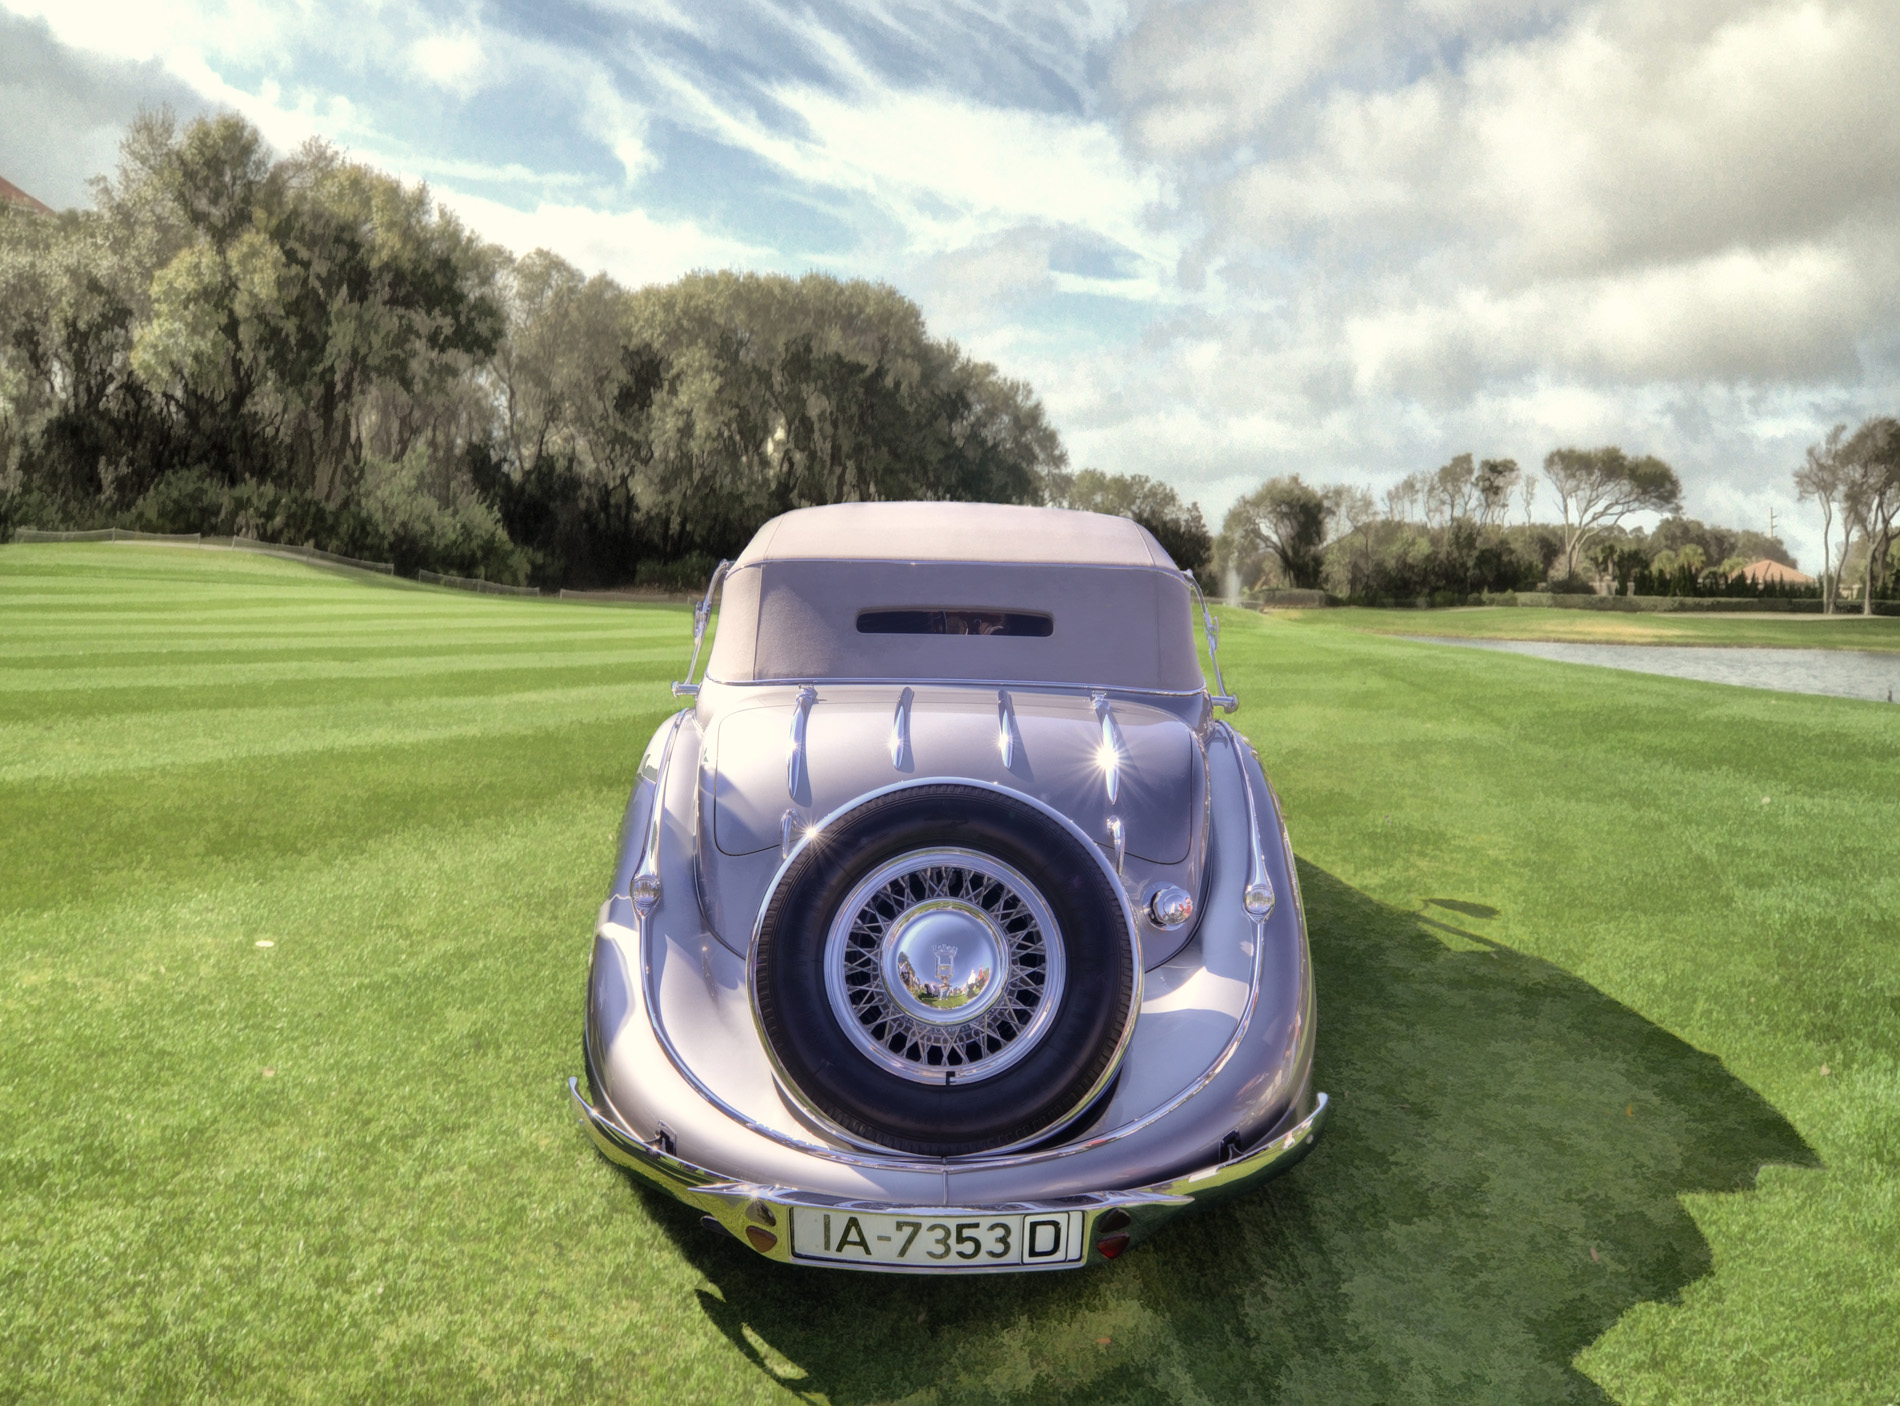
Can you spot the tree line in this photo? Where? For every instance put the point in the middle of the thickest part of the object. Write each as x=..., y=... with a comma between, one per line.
x=1447, y=535
x=303, y=349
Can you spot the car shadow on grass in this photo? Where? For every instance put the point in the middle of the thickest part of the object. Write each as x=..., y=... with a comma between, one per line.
x=1500, y=1182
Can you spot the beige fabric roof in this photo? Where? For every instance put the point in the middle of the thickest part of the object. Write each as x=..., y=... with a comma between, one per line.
x=985, y=532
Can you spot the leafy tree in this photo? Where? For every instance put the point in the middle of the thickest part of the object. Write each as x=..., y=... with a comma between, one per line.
x=1452, y=492
x=1405, y=498
x=1823, y=478
x=1598, y=488
x=670, y=422
x=1620, y=560
x=1496, y=480
x=1177, y=526
x=1284, y=520
x=1872, y=494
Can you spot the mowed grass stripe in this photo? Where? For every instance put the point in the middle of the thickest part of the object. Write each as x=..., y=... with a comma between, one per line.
x=101, y=627
x=394, y=645
x=119, y=742
x=212, y=672
x=216, y=822
x=227, y=1230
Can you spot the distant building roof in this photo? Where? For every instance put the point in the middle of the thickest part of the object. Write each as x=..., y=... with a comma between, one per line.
x=1776, y=573
x=10, y=194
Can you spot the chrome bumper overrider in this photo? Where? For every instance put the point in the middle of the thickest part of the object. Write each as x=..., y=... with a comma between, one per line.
x=760, y=1216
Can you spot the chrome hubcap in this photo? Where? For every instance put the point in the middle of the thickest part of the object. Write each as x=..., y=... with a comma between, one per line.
x=945, y=961
x=944, y=966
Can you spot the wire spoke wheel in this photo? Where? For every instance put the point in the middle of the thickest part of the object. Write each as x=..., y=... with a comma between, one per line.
x=945, y=969
x=944, y=965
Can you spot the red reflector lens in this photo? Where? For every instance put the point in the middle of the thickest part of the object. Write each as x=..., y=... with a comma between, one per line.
x=764, y=1241
x=1112, y=1246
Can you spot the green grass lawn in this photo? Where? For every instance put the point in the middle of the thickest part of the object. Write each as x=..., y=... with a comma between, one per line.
x=1609, y=982
x=1881, y=632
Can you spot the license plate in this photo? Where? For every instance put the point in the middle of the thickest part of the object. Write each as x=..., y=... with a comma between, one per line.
x=936, y=1240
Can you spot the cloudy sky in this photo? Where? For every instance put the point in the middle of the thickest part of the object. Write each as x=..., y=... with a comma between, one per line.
x=1223, y=238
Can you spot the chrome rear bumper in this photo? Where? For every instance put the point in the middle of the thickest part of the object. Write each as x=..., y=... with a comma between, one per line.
x=760, y=1216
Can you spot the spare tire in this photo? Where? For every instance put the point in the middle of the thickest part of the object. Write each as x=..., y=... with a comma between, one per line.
x=946, y=970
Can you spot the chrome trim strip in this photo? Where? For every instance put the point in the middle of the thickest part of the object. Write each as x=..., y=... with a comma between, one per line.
x=1113, y=749
x=1170, y=570
x=1118, y=837
x=630, y=1149
x=1271, y=1155
x=1223, y=700
x=1257, y=898
x=1040, y=685
x=643, y=890
x=988, y=1161
x=795, y=761
x=1005, y=728
x=900, y=732
x=701, y=614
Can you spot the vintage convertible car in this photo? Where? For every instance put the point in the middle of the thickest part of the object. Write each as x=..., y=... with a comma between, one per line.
x=952, y=931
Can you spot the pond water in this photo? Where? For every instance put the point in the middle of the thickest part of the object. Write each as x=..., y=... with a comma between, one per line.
x=1845, y=673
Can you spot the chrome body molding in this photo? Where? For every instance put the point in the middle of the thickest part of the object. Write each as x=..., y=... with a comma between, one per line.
x=1257, y=897
x=1113, y=753
x=901, y=759
x=795, y=759
x=927, y=681
x=643, y=890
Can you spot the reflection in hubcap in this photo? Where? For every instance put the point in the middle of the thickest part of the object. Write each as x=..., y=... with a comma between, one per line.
x=944, y=961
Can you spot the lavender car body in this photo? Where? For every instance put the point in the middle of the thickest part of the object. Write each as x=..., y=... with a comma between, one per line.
x=952, y=930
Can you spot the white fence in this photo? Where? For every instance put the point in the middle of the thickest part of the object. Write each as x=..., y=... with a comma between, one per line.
x=271, y=549
x=465, y=583
x=193, y=539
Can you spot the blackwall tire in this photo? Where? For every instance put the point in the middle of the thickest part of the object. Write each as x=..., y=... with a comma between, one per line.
x=1080, y=1042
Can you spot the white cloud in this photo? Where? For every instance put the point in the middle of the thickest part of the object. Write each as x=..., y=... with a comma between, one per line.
x=980, y=165
x=1501, y=227
x=630, y=245
x=1344, y=237
x=451, y=61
